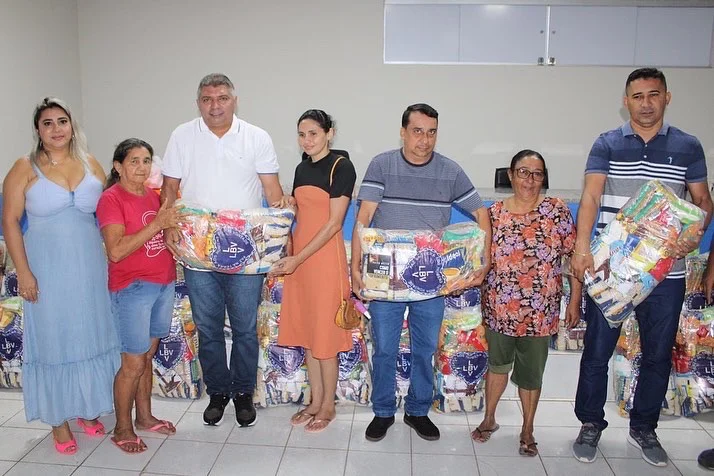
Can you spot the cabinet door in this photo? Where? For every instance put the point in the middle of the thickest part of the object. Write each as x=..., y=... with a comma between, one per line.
x=584, y=35
x=421, y=33
x=502, y=34
x=674, y=36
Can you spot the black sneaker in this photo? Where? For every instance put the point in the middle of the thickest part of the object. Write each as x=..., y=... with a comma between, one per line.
x=706, y=459
x=377, y=429
x=423, y=427
x=245, y=411
x=213, y=414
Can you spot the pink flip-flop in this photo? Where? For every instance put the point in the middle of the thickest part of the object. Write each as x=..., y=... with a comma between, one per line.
x=161, y=424
x=122, y=443
x=317, y=426
x=92, y=430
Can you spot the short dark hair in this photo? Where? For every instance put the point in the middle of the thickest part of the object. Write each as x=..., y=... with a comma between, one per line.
x=646, y=73
x=120, y=153
x=323, y=119
x=425, y=109
x=522, y=155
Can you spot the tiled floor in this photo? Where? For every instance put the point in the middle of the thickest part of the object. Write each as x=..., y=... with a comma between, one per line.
x=273, y=447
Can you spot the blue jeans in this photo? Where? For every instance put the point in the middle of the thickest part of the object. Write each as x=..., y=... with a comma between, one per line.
x=425, y=319
x=210, y=295
x=658, y=318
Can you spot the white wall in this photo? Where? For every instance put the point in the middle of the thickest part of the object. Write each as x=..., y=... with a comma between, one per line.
x=141, y=62
x=39, y=56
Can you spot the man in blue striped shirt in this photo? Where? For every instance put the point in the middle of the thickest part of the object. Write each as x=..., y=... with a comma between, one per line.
x=620, y=162
x=412, y=188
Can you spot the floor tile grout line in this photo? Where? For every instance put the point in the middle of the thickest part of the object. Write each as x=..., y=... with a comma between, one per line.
x=285, y=449
x=349, y=441
x=219, y=454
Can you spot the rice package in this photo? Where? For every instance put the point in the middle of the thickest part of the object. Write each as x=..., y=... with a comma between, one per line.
x=630, y=254
x=177, y=372
x=693, y=357
x=399, y=265
x=461, y=361
x=11, y=332
x=627, y=360
x=282, y=373
x=233, y=241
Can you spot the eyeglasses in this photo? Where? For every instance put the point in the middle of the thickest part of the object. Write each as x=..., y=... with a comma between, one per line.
x=524, y=173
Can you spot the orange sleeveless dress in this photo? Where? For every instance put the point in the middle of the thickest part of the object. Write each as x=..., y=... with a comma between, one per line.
x=311, y=295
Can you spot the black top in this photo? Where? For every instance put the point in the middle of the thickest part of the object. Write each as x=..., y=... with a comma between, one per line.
x=317, y=174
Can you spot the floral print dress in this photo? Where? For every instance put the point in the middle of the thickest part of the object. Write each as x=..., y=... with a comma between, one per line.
x=524, y=287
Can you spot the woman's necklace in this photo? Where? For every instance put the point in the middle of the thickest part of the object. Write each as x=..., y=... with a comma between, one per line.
x=54, y=162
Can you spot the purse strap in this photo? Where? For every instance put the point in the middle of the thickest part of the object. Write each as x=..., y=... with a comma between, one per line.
x=337, y=243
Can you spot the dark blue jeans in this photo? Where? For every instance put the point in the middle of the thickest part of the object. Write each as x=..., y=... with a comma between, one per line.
x=210, y=295
x=658, y=318
x=425, y=319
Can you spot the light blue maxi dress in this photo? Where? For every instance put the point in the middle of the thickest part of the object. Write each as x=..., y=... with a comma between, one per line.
x=70, y=350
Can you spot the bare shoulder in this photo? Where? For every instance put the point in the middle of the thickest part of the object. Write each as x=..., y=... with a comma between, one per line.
x=20, y=175
x=21, y=168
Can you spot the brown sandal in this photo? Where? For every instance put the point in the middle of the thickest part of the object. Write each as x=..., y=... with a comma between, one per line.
x=528, y=449
x=482, y=436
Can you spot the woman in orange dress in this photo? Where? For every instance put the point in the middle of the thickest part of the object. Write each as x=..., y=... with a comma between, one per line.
x=316, y=274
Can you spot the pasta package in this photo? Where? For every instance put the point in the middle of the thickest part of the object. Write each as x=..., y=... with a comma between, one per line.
x=400, y=265
x=627, y=360
x=233, y=241
x=569, y=339
x=177, y=372
x=694, y=295
x=631, y=256
x=461, y=361
x=11, y=332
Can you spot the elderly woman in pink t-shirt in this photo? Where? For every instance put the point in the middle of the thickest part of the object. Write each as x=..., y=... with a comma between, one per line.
x=142, y=274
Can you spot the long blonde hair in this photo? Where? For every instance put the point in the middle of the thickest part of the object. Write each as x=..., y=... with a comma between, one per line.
x=77, y=143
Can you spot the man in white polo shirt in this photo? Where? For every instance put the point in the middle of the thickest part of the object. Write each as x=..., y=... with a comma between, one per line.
x=221, y=162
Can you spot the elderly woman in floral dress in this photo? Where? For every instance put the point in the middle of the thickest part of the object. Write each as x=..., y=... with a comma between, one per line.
x=532, y=234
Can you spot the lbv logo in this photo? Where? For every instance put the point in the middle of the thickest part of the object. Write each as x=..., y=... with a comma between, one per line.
x=404, y=364
x=166, y=353
x=422, y=274
x=233, y=250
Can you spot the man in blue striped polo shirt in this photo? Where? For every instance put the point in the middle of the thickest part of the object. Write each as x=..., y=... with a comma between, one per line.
x=412, y=188
x=620, y=162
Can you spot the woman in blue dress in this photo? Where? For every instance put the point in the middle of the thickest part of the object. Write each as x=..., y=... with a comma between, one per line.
x=71, y=350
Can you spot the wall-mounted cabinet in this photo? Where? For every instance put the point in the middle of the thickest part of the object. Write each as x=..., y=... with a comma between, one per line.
x=550, y=35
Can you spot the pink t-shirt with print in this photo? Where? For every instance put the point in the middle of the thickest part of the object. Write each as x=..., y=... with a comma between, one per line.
x=152, y=261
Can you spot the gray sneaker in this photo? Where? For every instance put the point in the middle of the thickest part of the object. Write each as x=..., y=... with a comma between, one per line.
x=649, y=446
x=585, y=446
